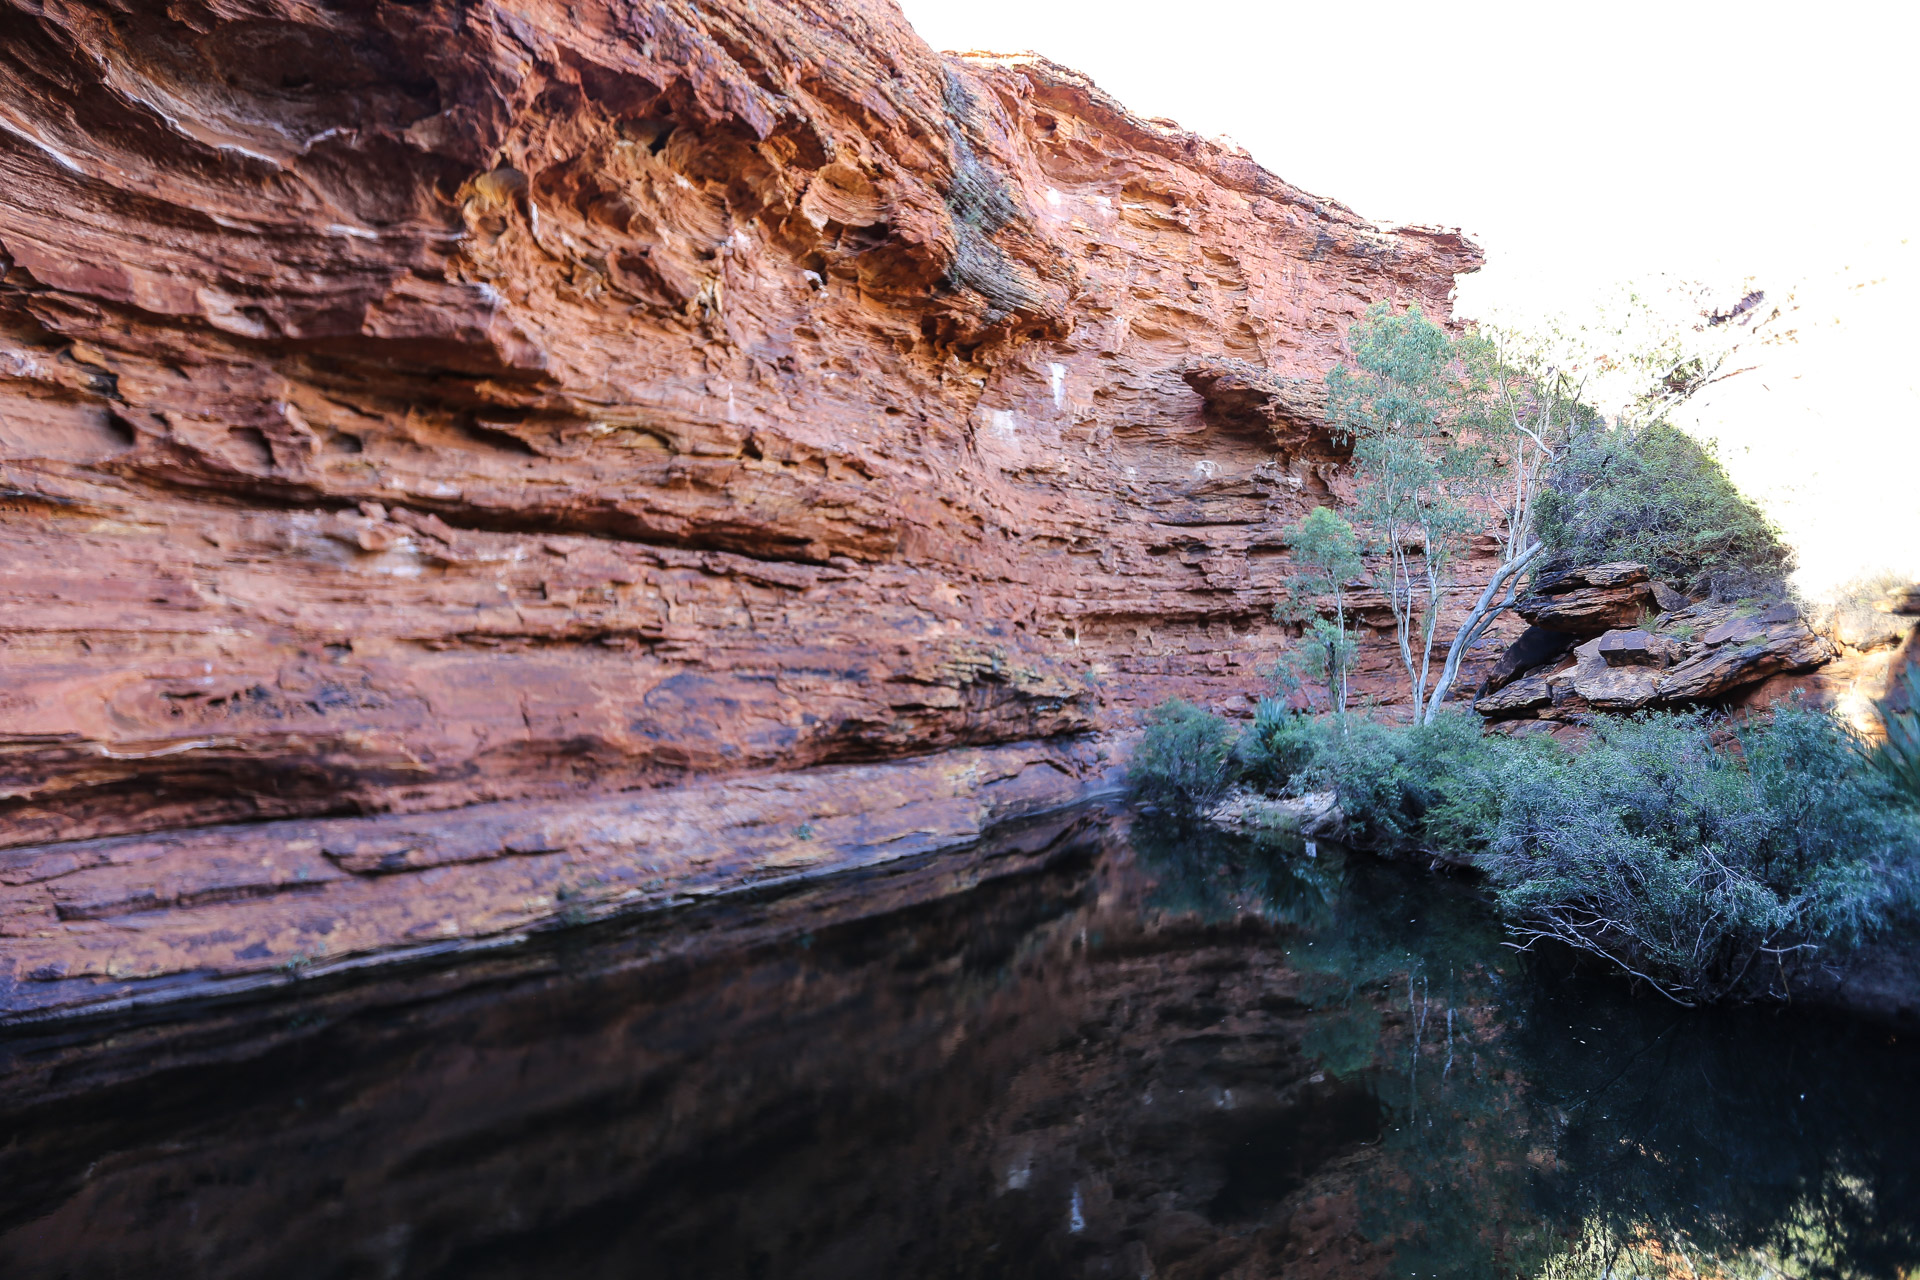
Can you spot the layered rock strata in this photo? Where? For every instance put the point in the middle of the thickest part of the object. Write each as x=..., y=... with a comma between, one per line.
x=1646, y=646
x=412, y=408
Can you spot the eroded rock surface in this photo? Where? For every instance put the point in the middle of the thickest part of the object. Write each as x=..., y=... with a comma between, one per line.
x=1586, y=602
x=1532, y=692
x=1697, y=653
x=407, y=408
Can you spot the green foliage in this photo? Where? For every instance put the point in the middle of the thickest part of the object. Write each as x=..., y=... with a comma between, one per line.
x=1326, y=552
x=1327, y=549
x=1709, y=862
x=1322, y=658
x=1434, y=786
x=1704, y=867
x=1367, y=765
x=1898, y=758
x=1405, y=403
x=1655, y=496
x=1463, y=771
x=1403, y=378
x=1277, y=746
x=1184, y=761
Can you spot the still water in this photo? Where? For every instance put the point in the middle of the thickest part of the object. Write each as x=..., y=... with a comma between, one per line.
x=1095, y=1047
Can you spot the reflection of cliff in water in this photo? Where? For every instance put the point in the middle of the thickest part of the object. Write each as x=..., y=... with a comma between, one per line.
x=1175, y=1054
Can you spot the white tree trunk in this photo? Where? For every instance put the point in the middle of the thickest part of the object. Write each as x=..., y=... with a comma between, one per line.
x=1484, y=612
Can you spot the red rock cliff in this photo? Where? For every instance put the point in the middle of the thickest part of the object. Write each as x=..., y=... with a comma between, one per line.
x=428, y=407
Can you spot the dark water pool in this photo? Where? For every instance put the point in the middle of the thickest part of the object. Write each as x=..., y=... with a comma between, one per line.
x=1097, y=1048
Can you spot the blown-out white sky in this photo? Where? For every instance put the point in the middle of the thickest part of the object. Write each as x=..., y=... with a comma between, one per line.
x=1586, y=146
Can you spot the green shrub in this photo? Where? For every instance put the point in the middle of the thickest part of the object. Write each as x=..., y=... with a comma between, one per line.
x=1365, y=763
x=1709, y=861
x=1898, y=758
x=1707, y=868
x=1184, y=761
x=1434, y=786
x=1655, y=496
x=1277, y=747
x=1463, y=772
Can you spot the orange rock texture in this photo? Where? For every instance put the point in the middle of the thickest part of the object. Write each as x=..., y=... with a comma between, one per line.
x=408, y=407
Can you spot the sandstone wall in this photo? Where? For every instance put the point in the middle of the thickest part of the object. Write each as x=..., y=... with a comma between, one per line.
x=406, y=407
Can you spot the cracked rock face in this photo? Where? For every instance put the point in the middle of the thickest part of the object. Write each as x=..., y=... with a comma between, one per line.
x=1586, y=602
x=1696, y=654
x=1782, y=646
x=405, y=408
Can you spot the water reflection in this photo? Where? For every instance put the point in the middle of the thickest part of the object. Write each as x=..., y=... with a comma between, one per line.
x=1129, y=1050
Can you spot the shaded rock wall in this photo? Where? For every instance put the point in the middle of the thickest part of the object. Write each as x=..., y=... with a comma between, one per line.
x=405, y=407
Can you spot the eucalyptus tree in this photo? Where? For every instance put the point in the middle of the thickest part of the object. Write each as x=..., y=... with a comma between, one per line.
x=1326, y=555
x=1404, y=403
x=1522, y=411
x=1447, y=430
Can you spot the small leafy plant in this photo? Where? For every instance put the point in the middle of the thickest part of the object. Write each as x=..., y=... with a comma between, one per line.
x=1898, y=757
x=1277, y=747
x=1184, y=761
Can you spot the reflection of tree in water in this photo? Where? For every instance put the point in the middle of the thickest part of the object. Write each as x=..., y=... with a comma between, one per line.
x=1179, y=1054
x=1736, y=1142
x=1406, y=1005
x=1545, y=1124
x=1204, y=872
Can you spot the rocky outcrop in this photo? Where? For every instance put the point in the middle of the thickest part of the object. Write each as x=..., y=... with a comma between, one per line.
x=1532, y=692
x=1316, y=814
x=1586, y=602
x=1241, y=394
x=1741, y=650
x=412, y=408
x=1534, y=649
x=1697, y=653
x=1606, y=686
x=265, y=905
x=1875, y=639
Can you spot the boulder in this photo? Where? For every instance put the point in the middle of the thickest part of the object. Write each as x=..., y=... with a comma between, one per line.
x=1743, y=651
x=1667, y=598
x=1637, y=648
x=1588, y=611
x=1587, y=601
x=1606, y=687
x=1744, y=629
x=1315, y=814
x=1319, y=814
x=1618, y=574
x=1530, y=693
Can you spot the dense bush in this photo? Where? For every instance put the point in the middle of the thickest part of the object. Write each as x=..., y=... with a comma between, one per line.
x=1655, y=496
x=1276, y=746
x=1368, y=765
x=1433, y=785
x=1708, y=860
x=1707, y=867
x=1184, y=761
